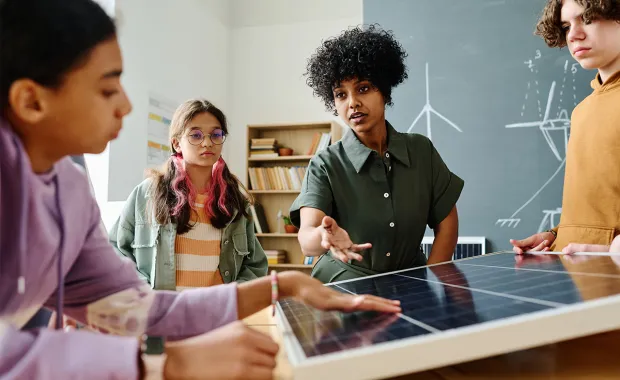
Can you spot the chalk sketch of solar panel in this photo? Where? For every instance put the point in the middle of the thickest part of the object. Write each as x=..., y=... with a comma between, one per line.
x=546, y=126
x=428, y=110
x=452, y=313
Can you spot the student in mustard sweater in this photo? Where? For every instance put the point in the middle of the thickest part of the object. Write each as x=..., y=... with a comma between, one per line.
x=187, y=226
x=591, y=200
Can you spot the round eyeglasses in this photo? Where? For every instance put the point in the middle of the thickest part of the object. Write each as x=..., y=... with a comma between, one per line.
x=196, y=137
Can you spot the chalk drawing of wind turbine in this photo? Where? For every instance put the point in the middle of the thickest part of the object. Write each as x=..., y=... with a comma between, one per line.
x=546, y=126
x=427, y=110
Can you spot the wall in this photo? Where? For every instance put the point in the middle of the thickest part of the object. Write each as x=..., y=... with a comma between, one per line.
x=271, y=41
x=246, y=56
x=177, y=50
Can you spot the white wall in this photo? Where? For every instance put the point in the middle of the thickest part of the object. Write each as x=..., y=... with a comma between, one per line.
x=176, y=49
x=271, y=42
x=247, y=56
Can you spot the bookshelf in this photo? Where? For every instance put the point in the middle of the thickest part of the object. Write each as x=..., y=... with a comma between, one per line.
x=275, y=180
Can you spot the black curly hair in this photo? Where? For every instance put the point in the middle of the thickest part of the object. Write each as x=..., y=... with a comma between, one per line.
x=370, y=53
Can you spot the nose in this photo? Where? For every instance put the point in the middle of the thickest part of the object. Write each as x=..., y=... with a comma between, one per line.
x=576, y=33
x=354, y=101
x=207, y=142
x=125, y=106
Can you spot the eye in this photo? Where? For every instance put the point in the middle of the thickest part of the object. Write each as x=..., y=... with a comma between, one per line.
x=196, y=135
x=109, y=93
x=339, y=95
x=364, y=88
x=565, y=28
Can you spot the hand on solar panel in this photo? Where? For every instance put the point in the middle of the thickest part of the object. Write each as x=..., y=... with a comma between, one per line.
x=313, y=293
x=337, y=240
x=575, y=247
x=537, y=242
x=234, y=351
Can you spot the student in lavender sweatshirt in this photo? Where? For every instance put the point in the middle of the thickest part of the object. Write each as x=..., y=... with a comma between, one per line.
x=60, y=95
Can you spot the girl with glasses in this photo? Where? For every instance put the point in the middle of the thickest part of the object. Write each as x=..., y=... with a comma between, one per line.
x=187, y=225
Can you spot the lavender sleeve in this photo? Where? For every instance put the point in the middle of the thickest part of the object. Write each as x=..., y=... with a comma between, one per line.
x=103, y=289
x=50, y=355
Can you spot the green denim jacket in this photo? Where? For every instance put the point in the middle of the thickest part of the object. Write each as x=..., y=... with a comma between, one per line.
x=137, y=235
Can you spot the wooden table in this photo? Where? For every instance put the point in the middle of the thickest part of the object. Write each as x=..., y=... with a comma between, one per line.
x=593, y=357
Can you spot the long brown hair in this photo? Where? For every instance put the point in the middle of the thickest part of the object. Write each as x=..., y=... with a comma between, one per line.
x=172, y=190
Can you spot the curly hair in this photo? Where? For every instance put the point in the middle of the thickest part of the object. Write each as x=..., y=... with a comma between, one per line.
x=549, y=25
x=369, y=54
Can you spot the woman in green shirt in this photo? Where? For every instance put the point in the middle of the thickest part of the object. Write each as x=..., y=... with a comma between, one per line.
x=366, y=200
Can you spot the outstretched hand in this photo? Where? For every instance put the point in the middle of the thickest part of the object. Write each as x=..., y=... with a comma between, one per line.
x=337, y=240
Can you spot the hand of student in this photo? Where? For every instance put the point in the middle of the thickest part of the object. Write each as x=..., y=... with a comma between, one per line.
x=313, y=293
x=232, y=352
x=574, y=247
x=337, y=240
x=538, y=242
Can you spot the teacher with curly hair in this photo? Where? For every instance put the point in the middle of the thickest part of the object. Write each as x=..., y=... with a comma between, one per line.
x=366, y=200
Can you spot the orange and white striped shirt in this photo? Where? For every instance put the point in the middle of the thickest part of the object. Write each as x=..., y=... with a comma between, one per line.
x=197, y=252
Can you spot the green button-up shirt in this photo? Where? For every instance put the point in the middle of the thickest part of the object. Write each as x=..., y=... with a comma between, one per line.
x=384, y=200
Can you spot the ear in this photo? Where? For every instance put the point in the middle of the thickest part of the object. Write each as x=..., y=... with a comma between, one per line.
x=28, y=100
x=176, y=145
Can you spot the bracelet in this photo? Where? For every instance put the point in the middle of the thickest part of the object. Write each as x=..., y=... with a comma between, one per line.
x=274, y=292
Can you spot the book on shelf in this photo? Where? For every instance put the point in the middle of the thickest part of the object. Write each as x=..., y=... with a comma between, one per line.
x=264, y=147
x=308, y=260
x=320, y=141
x=260, y=221
x=275, y=256
x=277, y=177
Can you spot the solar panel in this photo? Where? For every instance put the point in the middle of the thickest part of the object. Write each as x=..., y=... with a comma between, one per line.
x=454, y=312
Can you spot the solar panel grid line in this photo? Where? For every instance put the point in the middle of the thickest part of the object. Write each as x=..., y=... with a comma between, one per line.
x=406, y=318
x=518, y=298
x=547, y=271
x=408, y=269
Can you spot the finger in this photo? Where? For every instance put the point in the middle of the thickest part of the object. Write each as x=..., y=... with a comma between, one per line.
x=540, y=246
x=325, y=244
x=328, y=223
x=262, y=342
x=517, y=250
x=360, y=247
x=368, y=303
x=338, y=254
x=353, y=256
x=261, y=359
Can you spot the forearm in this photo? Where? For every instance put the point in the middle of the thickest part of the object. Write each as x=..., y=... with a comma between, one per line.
x=310, y=241
x=254, y=296
x=446, y=237
x=41, y=354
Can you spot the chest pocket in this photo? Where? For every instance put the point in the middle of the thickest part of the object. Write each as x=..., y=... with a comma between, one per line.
x=145, y=236
x=240, y=243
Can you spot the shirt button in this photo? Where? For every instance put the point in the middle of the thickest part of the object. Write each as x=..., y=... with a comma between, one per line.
x=388, y=254
x=387, y=155
x=226, y=242
x=386, y=195
x=227, y=273
x=391, y=224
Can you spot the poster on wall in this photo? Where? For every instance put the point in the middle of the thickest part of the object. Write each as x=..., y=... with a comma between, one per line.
x=159, y=117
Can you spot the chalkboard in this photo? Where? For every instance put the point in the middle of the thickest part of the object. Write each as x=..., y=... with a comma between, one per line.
x=495, y=101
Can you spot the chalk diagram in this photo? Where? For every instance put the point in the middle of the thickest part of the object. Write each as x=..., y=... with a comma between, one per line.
x=549, y=128
x=428, y=110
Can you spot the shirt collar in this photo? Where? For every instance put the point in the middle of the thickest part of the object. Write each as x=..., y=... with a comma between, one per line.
x=358, y=153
